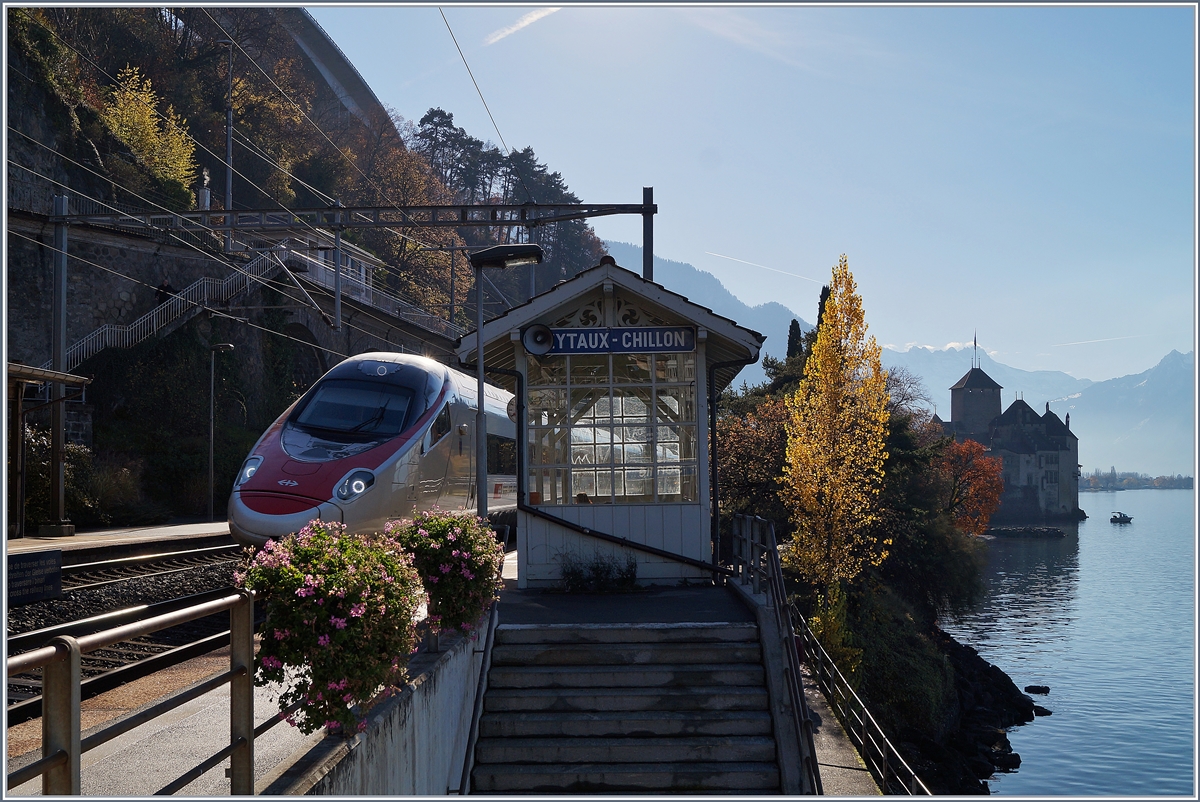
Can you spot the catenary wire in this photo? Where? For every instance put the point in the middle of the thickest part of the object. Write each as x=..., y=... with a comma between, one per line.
x=507, y=150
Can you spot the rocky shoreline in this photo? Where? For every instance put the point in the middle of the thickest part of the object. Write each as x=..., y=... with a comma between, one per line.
x=976, y=744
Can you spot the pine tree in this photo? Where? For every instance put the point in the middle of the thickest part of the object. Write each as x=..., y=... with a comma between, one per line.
x=836, y=446
x=795, y=339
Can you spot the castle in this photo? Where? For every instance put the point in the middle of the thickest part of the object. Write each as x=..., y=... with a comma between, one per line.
x=1040, y=453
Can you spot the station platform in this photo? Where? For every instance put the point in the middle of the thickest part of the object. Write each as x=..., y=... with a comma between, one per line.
x=144, y=760
x=116, y=537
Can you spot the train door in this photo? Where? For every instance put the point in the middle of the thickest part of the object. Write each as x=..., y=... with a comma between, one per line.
x=435, y=459
x=460, y=474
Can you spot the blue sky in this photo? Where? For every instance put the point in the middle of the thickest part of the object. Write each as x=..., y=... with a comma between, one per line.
x=1024, y=171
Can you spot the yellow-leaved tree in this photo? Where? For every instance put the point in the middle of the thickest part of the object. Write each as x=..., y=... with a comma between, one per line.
x=835, y=454
x=160, y=142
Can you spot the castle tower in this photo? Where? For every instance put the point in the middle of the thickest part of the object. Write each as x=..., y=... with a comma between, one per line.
x=974, y=403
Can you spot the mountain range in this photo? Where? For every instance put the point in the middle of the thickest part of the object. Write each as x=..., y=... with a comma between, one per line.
x=1143, y=422
x=772, y=319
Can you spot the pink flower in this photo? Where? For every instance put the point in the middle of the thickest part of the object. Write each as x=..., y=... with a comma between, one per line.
x=340, y=623
x=323, y=640
x=445, y=568
x=271, y=661
x=280, y=635
x=358, y=609
x=347, y=697
x=433, y=580
x=362, y=725
x=467, y=574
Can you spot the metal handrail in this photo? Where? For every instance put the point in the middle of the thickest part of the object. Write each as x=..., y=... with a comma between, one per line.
x=890, y=770
x=756, y=561
x=181, y=305
x=464, y=786
x=321, y=273
x=62, y=744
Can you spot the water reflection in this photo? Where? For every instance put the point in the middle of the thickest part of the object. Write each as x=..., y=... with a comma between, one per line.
x=1104, y=616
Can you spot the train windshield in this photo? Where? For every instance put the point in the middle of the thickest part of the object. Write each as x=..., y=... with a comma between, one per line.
x=359, y=409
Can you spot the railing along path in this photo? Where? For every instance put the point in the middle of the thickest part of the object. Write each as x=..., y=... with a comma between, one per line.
x=756, y=556
x=757, y=563
x=62, y=744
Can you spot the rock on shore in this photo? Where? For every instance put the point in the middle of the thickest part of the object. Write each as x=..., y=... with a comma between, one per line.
x=976, y=746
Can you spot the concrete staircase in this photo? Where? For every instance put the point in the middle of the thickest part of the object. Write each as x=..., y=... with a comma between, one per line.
x=650, y=708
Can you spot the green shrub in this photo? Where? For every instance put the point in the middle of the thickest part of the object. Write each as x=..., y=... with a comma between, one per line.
x=458, y=559
x=340, y=626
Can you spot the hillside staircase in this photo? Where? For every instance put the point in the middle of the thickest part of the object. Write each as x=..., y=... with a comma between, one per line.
x=176, y=311
x=647, y=708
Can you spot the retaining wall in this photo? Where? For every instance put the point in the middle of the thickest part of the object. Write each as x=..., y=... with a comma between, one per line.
x=414, y=743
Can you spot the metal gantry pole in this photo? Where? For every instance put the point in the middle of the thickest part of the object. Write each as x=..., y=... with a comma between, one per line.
x=450, y=317
x=212, y=418
x=337, y=266
x=648, y=233
x=58, y=497
x=480, y=414
x=229, y=153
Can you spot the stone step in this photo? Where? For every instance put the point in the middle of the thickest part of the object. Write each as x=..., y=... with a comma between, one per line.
x=628, y=676
x=705, y=749
x=625, y=699
x=601, y=654
x=516, y=634
x=638, y=777
x=624, y=723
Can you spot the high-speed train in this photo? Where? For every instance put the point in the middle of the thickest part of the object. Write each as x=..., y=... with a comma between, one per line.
x=376, y=438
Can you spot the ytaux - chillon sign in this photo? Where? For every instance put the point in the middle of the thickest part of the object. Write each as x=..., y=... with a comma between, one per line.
x=637, y=340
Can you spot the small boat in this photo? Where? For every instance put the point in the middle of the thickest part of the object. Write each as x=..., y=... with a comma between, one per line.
x=1120, y=518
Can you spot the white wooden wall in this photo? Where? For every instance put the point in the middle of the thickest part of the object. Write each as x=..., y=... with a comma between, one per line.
x=677, y=528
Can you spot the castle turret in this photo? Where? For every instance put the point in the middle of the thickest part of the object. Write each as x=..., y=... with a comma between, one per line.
x=974, y=403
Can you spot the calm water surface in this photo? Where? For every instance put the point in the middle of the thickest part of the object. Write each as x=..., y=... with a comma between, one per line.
x=1105, y=617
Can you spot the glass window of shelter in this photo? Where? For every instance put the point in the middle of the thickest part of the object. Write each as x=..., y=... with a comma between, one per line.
x=612, y=428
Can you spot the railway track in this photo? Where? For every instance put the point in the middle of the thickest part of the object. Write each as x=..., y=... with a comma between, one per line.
x=109, y=668
x=103, y=571
x=98, y=573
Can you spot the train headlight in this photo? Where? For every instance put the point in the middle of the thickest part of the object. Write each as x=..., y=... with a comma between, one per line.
x=249, y=467
x=355, y=485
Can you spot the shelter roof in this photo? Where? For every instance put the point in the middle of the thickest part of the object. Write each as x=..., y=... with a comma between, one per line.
x=725, y=339
x=976, y=379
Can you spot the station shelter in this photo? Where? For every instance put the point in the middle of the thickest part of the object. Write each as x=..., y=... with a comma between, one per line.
x=614, y=377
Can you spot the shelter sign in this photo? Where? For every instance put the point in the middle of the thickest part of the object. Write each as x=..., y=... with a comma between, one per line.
x=635, y=340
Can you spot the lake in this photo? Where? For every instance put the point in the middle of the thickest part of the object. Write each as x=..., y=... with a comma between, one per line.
x=1105, y=617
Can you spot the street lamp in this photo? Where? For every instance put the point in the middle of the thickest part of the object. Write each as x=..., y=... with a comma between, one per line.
x=212, y=403
x=501, y=256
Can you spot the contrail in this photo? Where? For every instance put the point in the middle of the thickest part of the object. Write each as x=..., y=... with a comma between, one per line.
x=528, y=19
x=1105, y=340
x=764, y=267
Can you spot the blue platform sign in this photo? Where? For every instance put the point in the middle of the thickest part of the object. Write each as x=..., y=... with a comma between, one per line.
x=34, y=576
x=637, y=340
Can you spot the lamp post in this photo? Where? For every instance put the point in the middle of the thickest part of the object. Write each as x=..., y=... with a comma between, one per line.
x=497, y=256
x=212, y=420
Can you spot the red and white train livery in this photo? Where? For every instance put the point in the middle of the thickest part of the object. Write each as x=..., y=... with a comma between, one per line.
x=376, y=438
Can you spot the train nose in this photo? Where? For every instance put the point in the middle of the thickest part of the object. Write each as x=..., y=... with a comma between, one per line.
x=256, y=517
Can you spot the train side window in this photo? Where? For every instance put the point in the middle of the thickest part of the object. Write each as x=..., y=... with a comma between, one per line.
x=441, y=425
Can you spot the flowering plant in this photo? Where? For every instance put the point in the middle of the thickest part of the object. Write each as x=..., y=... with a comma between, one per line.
x=340, y=622
x=459, y=560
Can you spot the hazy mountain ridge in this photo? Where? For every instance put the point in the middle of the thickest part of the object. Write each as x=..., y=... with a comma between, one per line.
x=770, y=319
x=1142, y=422
x=939, y=369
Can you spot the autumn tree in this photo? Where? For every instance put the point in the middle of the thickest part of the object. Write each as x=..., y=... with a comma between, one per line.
x=752, y=453
x=159, y=140
x=973, y=484
x=835, y=450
